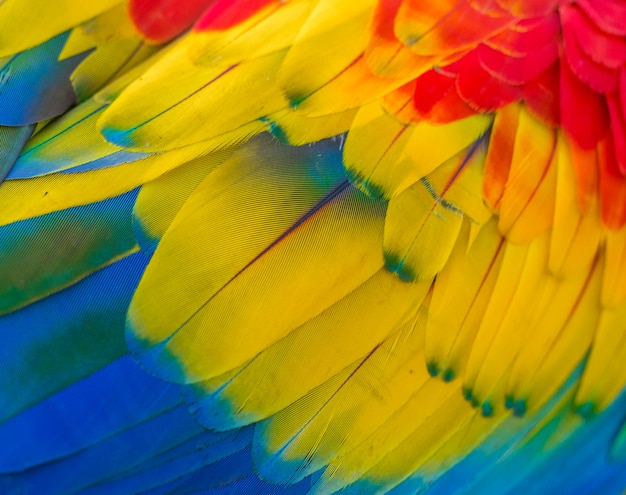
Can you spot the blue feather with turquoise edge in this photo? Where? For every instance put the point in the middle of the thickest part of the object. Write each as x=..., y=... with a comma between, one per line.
x=41, y=336
x=70, y=144
x=12, y=140
x=66, y=354
x=41, y=255
x=36, y=84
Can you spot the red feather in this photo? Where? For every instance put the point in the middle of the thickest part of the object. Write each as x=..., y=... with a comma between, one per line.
x=584, y=115
x=162, y=20
x=225, y=14
x=479, y=89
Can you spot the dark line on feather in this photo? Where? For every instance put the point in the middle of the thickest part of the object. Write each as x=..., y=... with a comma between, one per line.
x=193, y=93
x=477, y=292
x=392, y=58
x=327, y=401
x=539, y=183
x=334, y=78
x=387, y=149
x=579, y=298
x=64, y=130
x=321, y=204
x=413, y=40
x=438, y=198
x=464, y=426
x=473, y=148
x=366, y=181
x=115, y=73
x=408, y=101
x=130, y=472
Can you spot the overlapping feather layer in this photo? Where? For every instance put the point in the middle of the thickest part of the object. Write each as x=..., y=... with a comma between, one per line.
x=374, y=247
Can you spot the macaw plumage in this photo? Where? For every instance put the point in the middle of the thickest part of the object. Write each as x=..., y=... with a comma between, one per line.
x=313, y=246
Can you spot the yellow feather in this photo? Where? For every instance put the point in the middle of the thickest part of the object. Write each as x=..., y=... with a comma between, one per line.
x=416, y=419
x=538, y=213
x=26, y=23
x=512, y=330
x=178, y=93
x=298, y=129
x=531, y=175
x=317, y=429
x=575, y=235
x=389, y=58
x=459, y=180
x=113, y=24
x=314, y=59
x=70, y=140
x=385, y=156
x=269, y=30
x=614, y=283
x=511, y=271
x=118, y=48
x=605, y=373
x=550, y=311
x=444, y=425
x=419, y=234
x=424, y=221
x=160, y=200
x=563, y=353
x=61, y=190
x=460, y=298
x=189, y=88
x=185, y=299
x=460, y=443
x=290, y=368
x=110, y=60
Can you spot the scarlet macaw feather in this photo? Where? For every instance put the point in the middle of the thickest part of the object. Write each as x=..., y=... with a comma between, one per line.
x=313, y=246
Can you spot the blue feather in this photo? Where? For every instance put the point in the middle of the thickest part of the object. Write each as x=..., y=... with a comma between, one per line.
x=35, y=85
x=12, y=140
x=77, y=327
